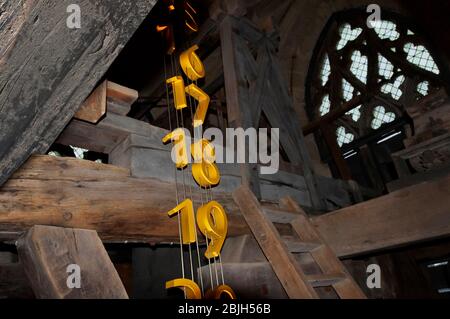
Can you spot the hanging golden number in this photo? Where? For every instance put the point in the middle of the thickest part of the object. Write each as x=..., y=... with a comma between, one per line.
x=188, y=230
x=178, y=137
x=203, y=150
x=191, y=64
x=206, y=174
x=213, y=223
x=179, y=95
x=211, y=217
x=221, y=292
x=204, y=170
x=194, y=69
x=203, y=103
x=189, y=287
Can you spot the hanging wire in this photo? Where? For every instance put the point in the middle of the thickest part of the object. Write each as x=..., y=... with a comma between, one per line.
x=175, y=169
x=209, y=262
x=191, y=194
x=183, y=170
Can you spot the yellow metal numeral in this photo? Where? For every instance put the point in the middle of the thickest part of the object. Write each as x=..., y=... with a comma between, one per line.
x=204, y=171
x=221, y=292
x=203, y=150
x=206, y=174
x=179, y=95
x=190, y=288
x=178, y=136
x=191, y=64
x=203, y=103
x=213, y=223
x=188, y=229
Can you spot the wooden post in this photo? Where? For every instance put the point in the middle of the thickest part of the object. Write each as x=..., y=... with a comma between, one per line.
x=50, y=255
x=238, y=104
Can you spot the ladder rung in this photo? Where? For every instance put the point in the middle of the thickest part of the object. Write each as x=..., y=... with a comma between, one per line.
x=297, y=246
x=323, y=280
x=279, y=216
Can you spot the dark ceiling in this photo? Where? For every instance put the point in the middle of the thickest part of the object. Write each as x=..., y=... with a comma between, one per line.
x=142, y=59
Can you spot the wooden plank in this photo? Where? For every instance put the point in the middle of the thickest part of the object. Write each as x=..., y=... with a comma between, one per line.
x=46, y=253
x=109, y=133
x=345, y=287
x=91, y=137
x=94, y=107
x=283, y=263
x=412, y=214
x=323, y=280
x=74, y=193
x=297, y=247
x=281, y=114
x=279, y=216
x=121, y=93
x=66, y=65
x=108, y=95
x=417, y=178
x=120, y=98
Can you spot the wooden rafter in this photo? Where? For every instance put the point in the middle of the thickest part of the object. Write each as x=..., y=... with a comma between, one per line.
x=38, y=99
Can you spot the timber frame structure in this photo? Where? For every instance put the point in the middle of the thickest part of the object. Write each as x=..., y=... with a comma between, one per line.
x=296, y=230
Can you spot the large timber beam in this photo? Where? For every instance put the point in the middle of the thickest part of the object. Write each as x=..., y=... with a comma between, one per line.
x=47, y=69
x=46, y=253
x=413, y=214
x=68, y=192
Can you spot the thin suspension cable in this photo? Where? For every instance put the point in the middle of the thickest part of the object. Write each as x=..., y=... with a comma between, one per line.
x=185, y=196
x=199, y=128
x=220, y=258
x=207, y=245
x=184, y=178
x=221, y=269
x=209, y=264
x=175, y=170
x=191, y=194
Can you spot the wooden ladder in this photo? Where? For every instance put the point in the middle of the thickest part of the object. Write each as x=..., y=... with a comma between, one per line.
x=280, y=250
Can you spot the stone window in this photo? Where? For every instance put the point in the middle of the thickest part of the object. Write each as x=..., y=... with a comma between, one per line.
x=370, y=72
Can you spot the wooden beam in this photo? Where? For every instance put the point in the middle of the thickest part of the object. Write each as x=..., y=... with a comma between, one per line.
x=68, y=192
x=95, y=105
x=46, y=253
x=108, y=133
x=412, y=214
x=238, y=104
x=121, y=93
x=39, y=98
x=283, y=263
